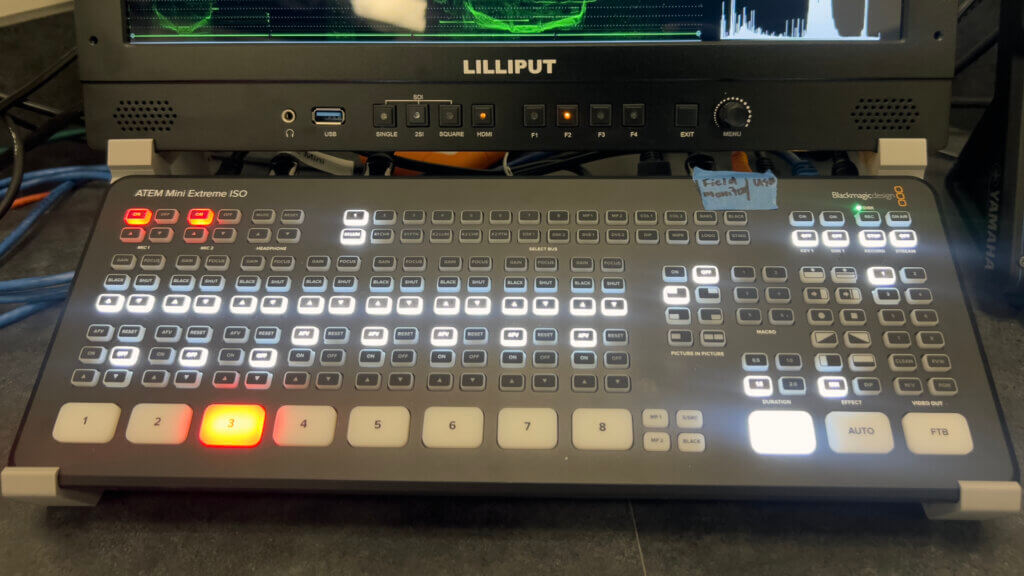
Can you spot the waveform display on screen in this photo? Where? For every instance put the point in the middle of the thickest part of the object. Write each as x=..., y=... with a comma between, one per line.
x=505, y=20
x=819, y=23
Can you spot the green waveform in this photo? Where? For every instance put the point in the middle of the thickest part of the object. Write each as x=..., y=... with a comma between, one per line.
x=184, y=17
x=528, y=16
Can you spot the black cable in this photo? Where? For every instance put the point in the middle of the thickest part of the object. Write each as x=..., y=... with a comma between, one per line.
x=42, y=134
x=653, y=164
x=17, y=172
x=32, y=106
x=763, y=162
x=965, y=7
x=232, y=166
x=842, y=165
x=971, y=102
x=698, y=160
x=979, y=50
x=21, y=93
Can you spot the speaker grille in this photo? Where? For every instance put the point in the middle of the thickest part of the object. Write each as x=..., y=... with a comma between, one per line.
x=145, y=115
x=885, y=114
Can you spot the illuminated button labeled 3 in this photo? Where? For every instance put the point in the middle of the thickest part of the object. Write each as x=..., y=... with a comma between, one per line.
x=781, y=432
x=86, y=423
x=602, y=429
x=159, y=424
x=447, y=427
x=937, y=433
x=378, y=426
x=305, y=425
x=527, y=428
x=234, y=425
x=859, y=432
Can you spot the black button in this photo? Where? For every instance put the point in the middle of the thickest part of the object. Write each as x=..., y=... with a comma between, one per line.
x=567, y=115
x=383, y=116
x=600, y=115
x=417, y=115
x=534, y=115
x=687, y=115
x=450, y=115
x=483, y=115
x=633, y=115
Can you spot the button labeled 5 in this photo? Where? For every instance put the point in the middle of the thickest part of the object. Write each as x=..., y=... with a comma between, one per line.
x=378, y=426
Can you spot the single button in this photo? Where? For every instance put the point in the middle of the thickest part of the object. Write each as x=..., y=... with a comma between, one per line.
x=602, y=429
x=859, y=433
x=453, y=427
x=781, y=432
x=527, y=428
x=305, y=425
x=378, y=426
x=159, y=424
x=232, y=425
x=86, y=423
x=937, y=433
x=384, y=116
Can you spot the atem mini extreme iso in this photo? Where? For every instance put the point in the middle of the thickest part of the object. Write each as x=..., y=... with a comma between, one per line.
x=516, y=74
x=556, y=336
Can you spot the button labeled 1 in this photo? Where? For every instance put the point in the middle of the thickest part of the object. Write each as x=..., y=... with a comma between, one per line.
x=305, y=425
x=446, y=427
x=602, y=429
x=159, y=424
x=527, y=428
x=86, y=423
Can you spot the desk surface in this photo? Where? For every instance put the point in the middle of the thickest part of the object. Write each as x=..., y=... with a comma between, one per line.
x=189, y=533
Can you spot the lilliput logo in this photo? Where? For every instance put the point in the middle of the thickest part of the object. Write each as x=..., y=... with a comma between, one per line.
x=509, y=67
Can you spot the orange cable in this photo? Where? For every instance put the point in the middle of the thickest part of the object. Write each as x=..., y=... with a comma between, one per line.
x=29, y=199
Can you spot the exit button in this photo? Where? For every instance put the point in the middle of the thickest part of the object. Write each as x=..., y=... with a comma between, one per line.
x=687, y=115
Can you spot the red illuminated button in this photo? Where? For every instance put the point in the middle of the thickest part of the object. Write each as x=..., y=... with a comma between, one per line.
x=138, y=216
x=238, y=425
x=132, y=235
x=200, y=217
x=165, y=216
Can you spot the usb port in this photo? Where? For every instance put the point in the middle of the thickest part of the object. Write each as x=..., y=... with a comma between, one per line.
x=328, y=116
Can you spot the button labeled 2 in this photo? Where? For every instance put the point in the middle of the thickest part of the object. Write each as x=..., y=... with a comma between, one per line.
x=159, y=424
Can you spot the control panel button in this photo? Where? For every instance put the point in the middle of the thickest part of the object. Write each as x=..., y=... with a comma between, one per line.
x=453, y=427
x=483, y=115
x=781, y=432
x=305, y=425
x=86, y=423
x=859, y=432
x=384, y=116
x=600, y=114
x=602, y=429
x=232, y=425
x=937, y=433
x=567, y=115
x=378, y=426
x=449, y=115
x=159, y=424
x=687, y=115
x=527, y=428
x=634, y=115
x=534, y=115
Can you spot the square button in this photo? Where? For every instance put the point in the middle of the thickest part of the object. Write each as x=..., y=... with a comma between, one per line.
x=600, y=114
x=383, y=116
x=534, y=115
x=633, y=115
x=687, y=115
x=450, y=115
x=483, y=115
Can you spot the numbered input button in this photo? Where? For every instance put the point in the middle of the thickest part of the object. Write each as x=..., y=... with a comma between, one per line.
x=527, y=428
x=446, y=427
x=602, y=429
x=378, y=426
x=159, y=424
x=86, y=423
x=305, y=425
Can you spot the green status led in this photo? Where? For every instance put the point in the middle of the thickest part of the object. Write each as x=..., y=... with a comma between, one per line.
x=858, y=208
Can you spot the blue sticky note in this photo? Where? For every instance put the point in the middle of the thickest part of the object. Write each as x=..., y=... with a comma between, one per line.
x=721, y=190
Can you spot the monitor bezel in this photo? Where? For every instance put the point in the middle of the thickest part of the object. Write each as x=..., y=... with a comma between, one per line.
x=925, y=50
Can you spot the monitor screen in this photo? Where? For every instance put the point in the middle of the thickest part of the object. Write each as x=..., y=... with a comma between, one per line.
x=522, y=21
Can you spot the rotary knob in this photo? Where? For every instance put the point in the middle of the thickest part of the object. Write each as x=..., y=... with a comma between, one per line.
x=732, y=114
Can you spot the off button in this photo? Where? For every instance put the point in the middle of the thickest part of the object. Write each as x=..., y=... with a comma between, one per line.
x=859, y=432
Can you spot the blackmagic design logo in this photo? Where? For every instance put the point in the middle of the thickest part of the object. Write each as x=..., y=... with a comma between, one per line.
x=509, y=67
x=862, y=197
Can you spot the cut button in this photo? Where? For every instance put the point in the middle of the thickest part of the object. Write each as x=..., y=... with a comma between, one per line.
x=781, y=432
x=234, y=425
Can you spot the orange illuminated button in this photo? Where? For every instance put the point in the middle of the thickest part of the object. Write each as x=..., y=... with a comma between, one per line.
x=238, y=425
x=200, y=217
x=138, y=216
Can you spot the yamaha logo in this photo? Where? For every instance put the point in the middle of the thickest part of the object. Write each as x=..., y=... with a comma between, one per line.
x=509, y=67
